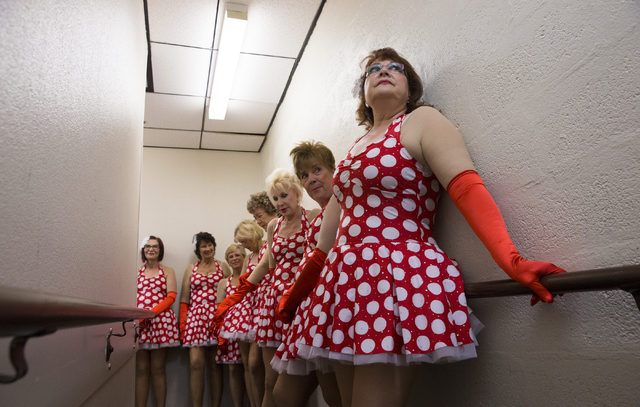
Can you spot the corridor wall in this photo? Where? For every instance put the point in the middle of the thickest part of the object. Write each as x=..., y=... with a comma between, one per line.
x=546, y=96
x=72, y=79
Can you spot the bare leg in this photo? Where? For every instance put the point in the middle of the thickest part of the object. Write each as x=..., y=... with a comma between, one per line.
x=196, y=365
x=256, y=367
x=215, y=377
x=396, y=382
x=294, y=391
x=330, y=391
x=244, y=355
x=159, y=375
x=142, y=377
x=344, y=376
x=236, y=383
x=270, y=377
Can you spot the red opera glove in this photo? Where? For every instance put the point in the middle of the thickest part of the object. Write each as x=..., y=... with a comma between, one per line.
x=163, y=305
x=244, y=288
x=184, y=307
x=143, y=323
x=473, y=200
x=305, y=283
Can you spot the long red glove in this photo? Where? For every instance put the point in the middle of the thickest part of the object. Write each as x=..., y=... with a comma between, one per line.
x=163, y=305
x=244, y=288
x=471, y=197
x=184, y=307
x=305, y=283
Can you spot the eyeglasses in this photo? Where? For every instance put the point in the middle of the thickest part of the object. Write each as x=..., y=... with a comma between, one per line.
x=257, y=215
x=148, y=247
x=391, y=67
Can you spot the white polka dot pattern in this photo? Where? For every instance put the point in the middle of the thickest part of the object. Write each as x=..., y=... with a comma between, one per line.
x=396, y=291
x=163, y=330
x=287, y=253
x=229, y=353
x=240, y=322
x=288, y=351
x=202, y=307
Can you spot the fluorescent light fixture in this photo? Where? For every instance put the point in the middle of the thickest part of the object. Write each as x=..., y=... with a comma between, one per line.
x=233, y=28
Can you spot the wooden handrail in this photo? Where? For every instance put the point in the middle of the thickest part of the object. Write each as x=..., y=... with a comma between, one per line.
x=24, y=312
x=613, y=278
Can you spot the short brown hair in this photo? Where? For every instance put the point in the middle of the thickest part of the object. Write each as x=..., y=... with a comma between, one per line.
x=364, y=113
x=203, y=237
x=307, y=151
x=261, y=200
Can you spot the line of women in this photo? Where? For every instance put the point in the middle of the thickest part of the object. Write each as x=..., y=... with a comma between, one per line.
x=353, y=297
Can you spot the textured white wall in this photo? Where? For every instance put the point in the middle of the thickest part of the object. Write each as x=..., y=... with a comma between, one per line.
x=546, y=95
x=72, y=78
x=182, y=193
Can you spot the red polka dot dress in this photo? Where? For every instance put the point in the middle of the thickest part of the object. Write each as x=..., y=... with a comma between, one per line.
x=387, y=293
x=163, y=330
x=285, y=358
x=229, y=353
x=240, y=322
x=202, y=307
x=258, y=302
x=287, y=253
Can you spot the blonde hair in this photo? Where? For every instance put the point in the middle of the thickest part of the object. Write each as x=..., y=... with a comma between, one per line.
x=232, y=248
x=249, y=230
x=285, y=180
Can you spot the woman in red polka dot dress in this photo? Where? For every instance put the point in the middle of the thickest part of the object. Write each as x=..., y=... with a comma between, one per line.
x=156, y=291
x=314, y=165
x=388, y=297
x=197, y=308
x=228, y=352
x=286, y=240
x=240, y=323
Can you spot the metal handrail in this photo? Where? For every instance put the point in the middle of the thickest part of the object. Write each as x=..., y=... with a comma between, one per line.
x=625, y=278
x=25, y=314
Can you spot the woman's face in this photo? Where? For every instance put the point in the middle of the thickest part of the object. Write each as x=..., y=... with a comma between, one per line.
x=285, y=201
x=249, y=244
x=235, y=259
x=207, y=250
x=316, y=180
x=151, y=249
x=262, y=218
x=385, y=83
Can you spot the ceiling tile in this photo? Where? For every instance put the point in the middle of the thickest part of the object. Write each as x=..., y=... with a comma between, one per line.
x=171, y=138
x=180, y=70
x=276, y=27
x=173, y=111
x=181, y=22
x=261, y=79
x=226, y=141
x=243, y=117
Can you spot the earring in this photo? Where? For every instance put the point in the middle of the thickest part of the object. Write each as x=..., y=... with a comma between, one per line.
x=366, y=105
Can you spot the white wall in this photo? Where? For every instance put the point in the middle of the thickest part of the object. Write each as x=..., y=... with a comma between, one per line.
x=546, y=96
x=184, y=192
x=72, y=78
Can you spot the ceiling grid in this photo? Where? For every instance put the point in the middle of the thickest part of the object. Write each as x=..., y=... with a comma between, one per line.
x=183, y=38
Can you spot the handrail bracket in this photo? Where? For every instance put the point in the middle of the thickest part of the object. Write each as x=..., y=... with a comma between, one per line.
x=16, y=353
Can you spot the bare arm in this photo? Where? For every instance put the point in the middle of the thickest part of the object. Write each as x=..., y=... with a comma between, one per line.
x=267, y=260
x=185, y=294
x=433, y=141
x=222, y=290
x=226, y=270
x=329, y=227
x=170, y=276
